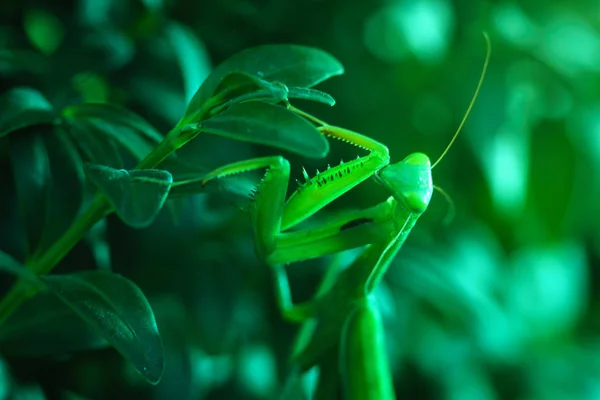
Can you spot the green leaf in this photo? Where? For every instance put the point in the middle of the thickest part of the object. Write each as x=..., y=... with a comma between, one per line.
x=178, y=379
x=45, y=326
x=238, y=87
x=111, y=48
x=239, y=83
x=311, y=94
x=95, y=146
x=31, y=171
x=118, y=309
x=161, y=98
x=192, y=56
x=93, y=88
x=10, y=265
x=44, y=30
x=109, y=303
x=260, y=122
x=136, y=195
x=291, y=65
x=96, y=239
x=22, y=107
x=65, y=189
x=8, y=388
x=118, y=116
x=243, y=87
x=130, y=130
x=14, y=61
x=49, y=180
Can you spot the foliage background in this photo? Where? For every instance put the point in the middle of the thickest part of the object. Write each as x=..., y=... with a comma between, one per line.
x=502, y=302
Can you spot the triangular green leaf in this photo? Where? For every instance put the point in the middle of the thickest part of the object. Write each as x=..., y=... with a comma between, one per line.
x=136, y=195
x=271, y=125
x=22, y=107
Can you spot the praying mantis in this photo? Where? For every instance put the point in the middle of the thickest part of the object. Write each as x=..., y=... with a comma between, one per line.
x=342, y=332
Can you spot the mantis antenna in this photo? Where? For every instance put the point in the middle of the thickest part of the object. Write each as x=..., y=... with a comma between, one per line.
x=451, y=207
x=485, y=64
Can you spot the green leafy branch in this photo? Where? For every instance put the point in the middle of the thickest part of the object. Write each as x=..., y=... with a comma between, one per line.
x=56, y=154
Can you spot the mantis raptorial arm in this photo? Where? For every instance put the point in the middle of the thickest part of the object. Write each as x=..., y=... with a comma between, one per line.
x=272, y=214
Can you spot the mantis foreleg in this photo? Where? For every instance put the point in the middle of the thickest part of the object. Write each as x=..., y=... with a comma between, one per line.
x=273, y=215
x=269, y=202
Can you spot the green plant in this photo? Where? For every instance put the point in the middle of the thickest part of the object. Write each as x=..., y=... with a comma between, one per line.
x=75, y=165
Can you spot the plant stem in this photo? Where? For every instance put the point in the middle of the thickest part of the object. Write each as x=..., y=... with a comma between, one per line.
x=22, y=290
x=163, y=150
x=98, y=209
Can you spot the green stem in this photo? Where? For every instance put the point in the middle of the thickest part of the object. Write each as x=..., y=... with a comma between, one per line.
x=98, y=209
x=163, y=150
x=22, y=290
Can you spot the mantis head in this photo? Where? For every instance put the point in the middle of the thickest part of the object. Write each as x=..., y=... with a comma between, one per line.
x=409, y=181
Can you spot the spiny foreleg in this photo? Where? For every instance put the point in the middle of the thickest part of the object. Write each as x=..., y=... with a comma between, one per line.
x=269, y=198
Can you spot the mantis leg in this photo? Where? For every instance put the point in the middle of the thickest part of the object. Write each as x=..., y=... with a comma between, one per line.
x=357, y=281
x=272, y=214
x=349, y=230
x=269, y=200
x=328, y=185
x=269, y=204
x=291, y=312
x=364, y=365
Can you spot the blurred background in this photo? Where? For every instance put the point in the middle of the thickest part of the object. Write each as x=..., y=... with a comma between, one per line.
x=501, y=302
